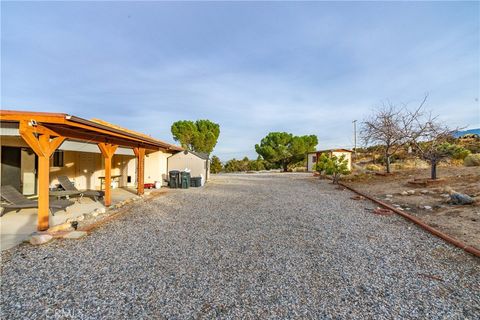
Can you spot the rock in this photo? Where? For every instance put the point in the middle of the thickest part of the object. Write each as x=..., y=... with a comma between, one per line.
x=460, y=198
x=61, y=227
x=89, y=215
x=411, y=192
x=408, y=209
x=357, y=197
x=382, y=211
x=147, y=193
x=79, y=218
x=100, y=210
x=38, y=239
x=404, y=193
x=427, y=207
x=388, y=196
x=424, y=191
x=75, y=235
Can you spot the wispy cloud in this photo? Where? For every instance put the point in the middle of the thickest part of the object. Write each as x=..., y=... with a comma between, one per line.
x=305, y=68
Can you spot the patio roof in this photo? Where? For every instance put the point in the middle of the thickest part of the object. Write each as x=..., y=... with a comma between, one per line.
x=76, y=128
x=44, y=132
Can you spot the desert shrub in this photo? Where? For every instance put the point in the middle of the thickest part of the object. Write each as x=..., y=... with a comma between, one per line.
x=393, y=158
x=472, y=160
x=333, y=166
x=373, y=167
x=398, y=166
x=458, y=152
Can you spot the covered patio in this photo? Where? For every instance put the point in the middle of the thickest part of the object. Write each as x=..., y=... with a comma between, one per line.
x=43, y=133
x=16, y=227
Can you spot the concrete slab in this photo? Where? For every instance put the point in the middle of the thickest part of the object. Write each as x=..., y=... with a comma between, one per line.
x=16, y=227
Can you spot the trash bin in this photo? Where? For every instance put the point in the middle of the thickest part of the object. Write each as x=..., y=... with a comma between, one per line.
x=196, y=182
x=174, y=181
x=185, y=180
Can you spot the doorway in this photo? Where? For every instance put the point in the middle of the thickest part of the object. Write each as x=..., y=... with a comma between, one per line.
x=11, y=167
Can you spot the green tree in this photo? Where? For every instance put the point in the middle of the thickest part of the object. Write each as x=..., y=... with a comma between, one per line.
x=232, y=165
x=282, y=148
x=215, y=165
x=200, y=136
x=333, y=166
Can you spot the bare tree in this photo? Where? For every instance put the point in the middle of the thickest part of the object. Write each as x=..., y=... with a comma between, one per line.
x=391, y=127
x=432, y=142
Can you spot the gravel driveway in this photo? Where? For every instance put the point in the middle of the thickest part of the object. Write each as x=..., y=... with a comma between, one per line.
x=245, y=246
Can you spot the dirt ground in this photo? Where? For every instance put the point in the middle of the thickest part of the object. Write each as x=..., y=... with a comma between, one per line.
x=461, y=222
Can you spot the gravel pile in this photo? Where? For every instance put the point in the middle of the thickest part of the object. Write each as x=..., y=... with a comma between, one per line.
x=245, y=246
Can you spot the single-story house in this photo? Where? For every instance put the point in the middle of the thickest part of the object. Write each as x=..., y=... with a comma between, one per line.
x=197, y=162
x=312, y=157
x=38, y=147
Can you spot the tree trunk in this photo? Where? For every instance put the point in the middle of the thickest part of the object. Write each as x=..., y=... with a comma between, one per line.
x=285, y=166
x=335, y=178
x=388, y=162
x=433, y=167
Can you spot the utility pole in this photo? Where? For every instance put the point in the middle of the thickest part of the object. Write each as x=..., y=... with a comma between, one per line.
x=355, y=137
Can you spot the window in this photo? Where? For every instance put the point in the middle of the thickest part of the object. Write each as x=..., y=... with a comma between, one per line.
x=58, y=158
x=314, y=159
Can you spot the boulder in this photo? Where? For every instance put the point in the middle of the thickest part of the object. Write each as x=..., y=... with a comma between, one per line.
x=411, y=192
x=404, y=193
x=427, y=207
x=90, y=215
x=60, y=227
x=388, y=196
x=38, y=239
x=100, y=210
x=460, y=198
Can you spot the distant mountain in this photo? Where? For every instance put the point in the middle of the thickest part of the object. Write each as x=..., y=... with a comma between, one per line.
x=464, y=132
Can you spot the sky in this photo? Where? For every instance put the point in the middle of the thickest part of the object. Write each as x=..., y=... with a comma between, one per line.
x=252, y=67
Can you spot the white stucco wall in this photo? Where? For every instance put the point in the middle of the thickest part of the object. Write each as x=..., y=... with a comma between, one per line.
x=156, y=167
x=311, y=159
x=348, y=156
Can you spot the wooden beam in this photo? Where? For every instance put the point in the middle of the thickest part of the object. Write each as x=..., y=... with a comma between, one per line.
x=108, y=151
x=61, y=120
x=81, y=135
x=43, y=193
x=140, y=154
x=43, y=144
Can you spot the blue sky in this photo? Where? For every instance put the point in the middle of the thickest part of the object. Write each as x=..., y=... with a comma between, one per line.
x=305, y=68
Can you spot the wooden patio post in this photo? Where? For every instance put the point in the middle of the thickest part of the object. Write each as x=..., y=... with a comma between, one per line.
x=108, y=150
x=140, y=154
x=43, y=142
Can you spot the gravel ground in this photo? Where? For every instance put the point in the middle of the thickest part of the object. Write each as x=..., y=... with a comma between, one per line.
x=245, y=246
